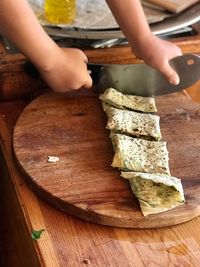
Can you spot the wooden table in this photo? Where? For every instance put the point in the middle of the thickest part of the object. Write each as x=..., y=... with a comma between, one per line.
x=68, y=241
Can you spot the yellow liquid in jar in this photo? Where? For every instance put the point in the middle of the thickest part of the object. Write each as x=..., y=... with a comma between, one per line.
x=60, y=11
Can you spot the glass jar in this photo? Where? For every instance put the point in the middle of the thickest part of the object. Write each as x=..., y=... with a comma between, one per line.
x=60, y=11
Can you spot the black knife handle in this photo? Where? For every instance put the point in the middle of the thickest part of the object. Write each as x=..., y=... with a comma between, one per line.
x=31, y=70
x=93, y=69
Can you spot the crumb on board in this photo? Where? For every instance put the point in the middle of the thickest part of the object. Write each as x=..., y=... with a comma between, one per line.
x=53, y=159
x=86, y=261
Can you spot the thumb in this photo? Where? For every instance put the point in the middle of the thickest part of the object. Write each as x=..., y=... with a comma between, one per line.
x=88, y=83
x=170, y=74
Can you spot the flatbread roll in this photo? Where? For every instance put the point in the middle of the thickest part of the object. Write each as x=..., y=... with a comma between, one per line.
x=155, y=192
x=139, y=155
x=133, y=123
x=119, y=100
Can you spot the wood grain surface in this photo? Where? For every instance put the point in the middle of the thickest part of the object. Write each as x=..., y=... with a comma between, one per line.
x=69, y=241
x=175, y=6
x=82, y=182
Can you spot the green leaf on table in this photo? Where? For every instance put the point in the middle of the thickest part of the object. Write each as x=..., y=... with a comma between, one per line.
x=36, y=234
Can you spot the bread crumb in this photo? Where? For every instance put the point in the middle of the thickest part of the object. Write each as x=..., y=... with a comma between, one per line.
x=53, y=159
x=86, y=261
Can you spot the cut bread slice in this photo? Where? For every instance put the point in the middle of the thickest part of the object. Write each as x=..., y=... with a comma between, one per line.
x=119, y=100
x=134, y=154
x=133, y=123
x=155, y=192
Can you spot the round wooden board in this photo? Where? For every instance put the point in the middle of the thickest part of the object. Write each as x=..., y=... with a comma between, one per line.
x=82, y=182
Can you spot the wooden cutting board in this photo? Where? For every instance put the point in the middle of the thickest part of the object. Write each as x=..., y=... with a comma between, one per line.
x=82, y=182
x=175, y=6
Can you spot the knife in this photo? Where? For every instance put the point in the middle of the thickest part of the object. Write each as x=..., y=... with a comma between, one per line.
x=140, y=79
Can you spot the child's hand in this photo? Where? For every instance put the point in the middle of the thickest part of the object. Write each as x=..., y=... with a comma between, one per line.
x=157, y=53
x=66, y=70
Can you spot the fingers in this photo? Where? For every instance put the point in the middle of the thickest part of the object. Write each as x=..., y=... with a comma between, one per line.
x=68, y=71
x=85, y=59
x=75, y=51
x=170, y=74
x=88, y=82
x=157, y=53
x=84, y=80
x=167, y=70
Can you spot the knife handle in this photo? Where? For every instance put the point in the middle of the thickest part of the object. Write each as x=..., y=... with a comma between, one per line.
x=93, y=69
x=31, y=70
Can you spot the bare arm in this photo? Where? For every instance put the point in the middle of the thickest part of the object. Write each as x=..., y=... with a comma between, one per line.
x=62, y=70
x=153, y=50
x=130, y=16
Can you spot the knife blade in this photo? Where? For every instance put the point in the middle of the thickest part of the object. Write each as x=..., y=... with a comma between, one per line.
x=140, y=79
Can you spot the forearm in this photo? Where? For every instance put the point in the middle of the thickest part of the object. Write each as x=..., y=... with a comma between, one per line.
x=153, y=50
x=19, y=24
x=131, y=18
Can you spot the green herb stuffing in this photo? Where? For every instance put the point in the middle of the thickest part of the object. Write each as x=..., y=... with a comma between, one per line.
x=36, y=234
